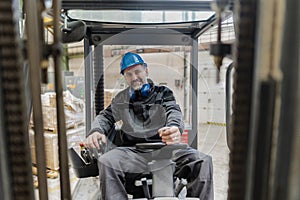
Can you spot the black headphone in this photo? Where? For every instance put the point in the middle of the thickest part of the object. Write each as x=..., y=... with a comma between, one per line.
x=144, y=91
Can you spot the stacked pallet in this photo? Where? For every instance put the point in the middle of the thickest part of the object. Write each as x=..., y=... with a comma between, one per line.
x=109, y=94
x=74, y=117
x=73, y=107
x=74, y=137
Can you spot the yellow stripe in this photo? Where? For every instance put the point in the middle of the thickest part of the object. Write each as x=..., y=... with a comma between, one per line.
x=217, y=123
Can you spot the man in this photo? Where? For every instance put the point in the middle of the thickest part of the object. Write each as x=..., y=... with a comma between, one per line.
x=147, y=113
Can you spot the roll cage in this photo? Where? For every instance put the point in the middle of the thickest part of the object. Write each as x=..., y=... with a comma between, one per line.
x=100, y=32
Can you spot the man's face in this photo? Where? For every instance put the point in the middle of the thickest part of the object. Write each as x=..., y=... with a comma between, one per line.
x=136, y=76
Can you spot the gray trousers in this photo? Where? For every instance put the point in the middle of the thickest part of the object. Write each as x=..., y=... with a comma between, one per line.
x=122, y=163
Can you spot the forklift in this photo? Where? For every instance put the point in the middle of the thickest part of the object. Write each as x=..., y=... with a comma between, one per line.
x=263, y=133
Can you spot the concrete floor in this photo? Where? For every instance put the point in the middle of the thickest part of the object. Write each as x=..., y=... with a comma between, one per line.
x=211, y=140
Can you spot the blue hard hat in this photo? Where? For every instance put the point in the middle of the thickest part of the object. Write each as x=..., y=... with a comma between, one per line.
x=130, y=59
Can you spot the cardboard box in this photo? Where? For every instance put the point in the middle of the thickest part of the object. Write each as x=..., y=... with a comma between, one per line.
x=73, y=119
x=51, y=149
x=74, y=137
x=109, y=94
x=73, y=109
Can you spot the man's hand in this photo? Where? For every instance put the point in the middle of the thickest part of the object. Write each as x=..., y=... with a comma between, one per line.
x=92, y=141
x=170, y=135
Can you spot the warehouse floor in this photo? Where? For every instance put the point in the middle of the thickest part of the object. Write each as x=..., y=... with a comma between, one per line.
x=211, y=140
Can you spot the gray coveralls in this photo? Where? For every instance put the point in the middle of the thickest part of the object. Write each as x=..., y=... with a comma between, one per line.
x=141, y=118
x=122, y=162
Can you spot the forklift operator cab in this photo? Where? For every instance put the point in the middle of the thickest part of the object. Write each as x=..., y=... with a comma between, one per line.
x=161, y=111
x=143, y=116
x=145, y=37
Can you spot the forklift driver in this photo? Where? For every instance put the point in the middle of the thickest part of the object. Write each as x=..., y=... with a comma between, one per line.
x=147, y=113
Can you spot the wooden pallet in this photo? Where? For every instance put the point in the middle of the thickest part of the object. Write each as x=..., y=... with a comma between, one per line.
x=72, y=125
x=50, y=173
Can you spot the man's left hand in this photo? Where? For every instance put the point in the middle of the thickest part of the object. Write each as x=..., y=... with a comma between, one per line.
x=170, y=135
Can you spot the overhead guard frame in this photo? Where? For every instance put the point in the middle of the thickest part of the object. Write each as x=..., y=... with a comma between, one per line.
x=106, y=30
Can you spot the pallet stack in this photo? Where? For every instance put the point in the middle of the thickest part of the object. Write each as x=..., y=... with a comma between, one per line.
x=73, y=108
x=74, y=117
x=109, y=94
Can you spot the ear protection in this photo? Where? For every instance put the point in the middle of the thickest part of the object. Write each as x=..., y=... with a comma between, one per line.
x=143, y=92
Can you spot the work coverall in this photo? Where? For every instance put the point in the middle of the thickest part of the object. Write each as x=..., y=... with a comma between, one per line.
x=139, y=116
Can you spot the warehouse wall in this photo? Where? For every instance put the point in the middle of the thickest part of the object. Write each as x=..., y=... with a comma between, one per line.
x=165, y=68
x=211, y=95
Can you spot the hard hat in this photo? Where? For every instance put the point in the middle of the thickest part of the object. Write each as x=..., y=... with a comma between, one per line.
x=130, y=59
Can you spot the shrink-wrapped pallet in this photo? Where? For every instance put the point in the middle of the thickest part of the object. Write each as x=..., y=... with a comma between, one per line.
x=109, y=94
x=73, y=110
x=74, y=137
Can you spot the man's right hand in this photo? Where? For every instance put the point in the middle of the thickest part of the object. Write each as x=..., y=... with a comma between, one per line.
x=92, y=141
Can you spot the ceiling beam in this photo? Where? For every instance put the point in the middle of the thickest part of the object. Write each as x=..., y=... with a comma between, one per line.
x=186, y=5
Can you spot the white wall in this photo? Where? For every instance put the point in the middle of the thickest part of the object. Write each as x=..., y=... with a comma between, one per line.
x=165, y=67
x=211, y=101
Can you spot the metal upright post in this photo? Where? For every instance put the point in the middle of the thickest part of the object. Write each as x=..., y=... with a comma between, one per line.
x=88, y=78
x=193, y=135
x=34, y=45
x=286, y=173
x=98, y=78
x=61, y=124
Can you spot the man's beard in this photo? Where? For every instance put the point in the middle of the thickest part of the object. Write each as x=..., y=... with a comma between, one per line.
x=134, y=84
